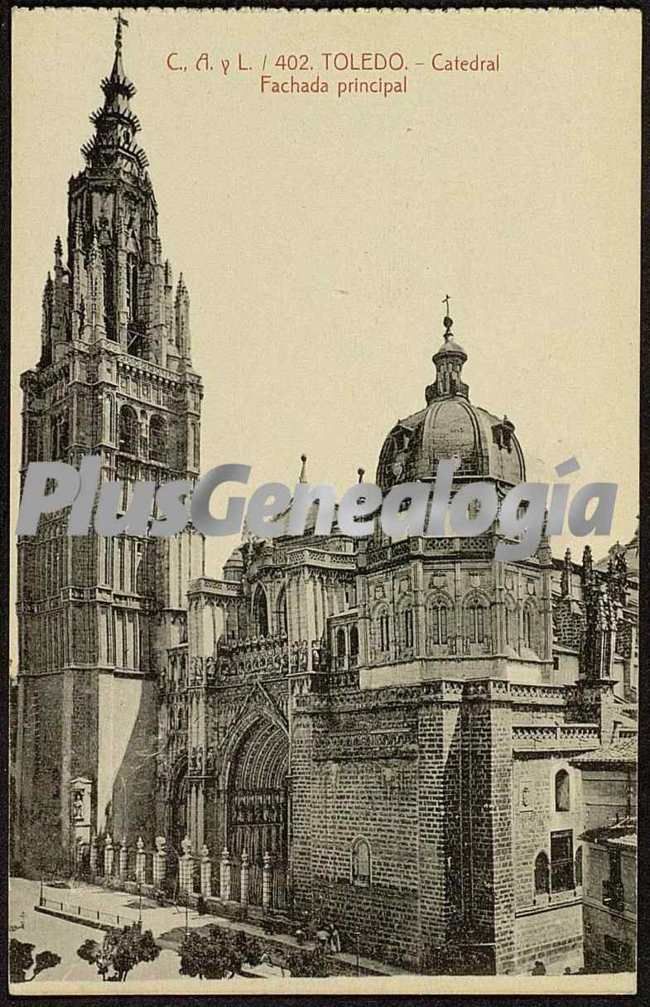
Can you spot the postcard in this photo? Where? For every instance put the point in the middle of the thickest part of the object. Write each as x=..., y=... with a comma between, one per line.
x=325, y=550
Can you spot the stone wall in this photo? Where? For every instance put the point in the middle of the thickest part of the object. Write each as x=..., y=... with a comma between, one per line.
x=551, y=934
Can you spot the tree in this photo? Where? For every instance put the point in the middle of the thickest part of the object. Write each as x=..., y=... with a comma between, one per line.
x=21, y=960
x=119, y=952
x=308, y=964
x=217, y=953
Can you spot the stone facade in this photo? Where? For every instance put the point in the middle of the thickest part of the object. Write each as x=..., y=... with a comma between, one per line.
x=372, y=731
x=114, y=380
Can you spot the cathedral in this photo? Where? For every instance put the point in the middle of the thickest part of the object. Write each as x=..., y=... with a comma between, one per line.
x=380, y=731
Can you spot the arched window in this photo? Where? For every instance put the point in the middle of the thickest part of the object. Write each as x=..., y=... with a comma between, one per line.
x=281, y=609
x=157, y=439
x=408, y=635
x=511, y=626
x=562, y=791
x=439, y=623
x=132, y=286
x=59, y=436
x=383, y=630
x=528, y=628
x=128, y=439
x=341, y=647
x=261, y=613
x=109, y=293
x=361, y=863
x=354, y=645
x=476, y=621
x=541, y=874
x=195, y=446
x=578, y=866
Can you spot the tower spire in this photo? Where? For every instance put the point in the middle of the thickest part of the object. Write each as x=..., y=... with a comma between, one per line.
x=117, y=73
x=115, y=124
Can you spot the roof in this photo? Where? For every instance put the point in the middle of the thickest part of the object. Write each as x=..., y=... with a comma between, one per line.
x=618, y=833
x=450, y=426
x=625, y=750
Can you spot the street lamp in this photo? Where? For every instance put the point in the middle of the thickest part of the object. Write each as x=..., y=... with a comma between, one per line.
x=140, y=903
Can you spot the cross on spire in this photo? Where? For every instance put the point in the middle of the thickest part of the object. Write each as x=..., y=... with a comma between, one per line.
x=447, y=320
x=118, y=31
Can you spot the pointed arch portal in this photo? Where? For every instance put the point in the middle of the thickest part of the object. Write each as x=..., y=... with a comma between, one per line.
x=258, y=807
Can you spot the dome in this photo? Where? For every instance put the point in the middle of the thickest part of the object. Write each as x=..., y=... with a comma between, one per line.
x=451, y=425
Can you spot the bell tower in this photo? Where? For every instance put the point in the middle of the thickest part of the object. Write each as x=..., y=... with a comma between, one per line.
x=114, y=380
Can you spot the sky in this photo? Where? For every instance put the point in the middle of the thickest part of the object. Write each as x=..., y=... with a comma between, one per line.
x=318, y=235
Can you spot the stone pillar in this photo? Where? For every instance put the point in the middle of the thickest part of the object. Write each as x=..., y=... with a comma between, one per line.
x=109, y=855
x=206, y=872
x=124, y=859
x=140, y=861
x=267, y=878
x=160, y=861
x=245, y=874
x=186, y=867
x=224, y=887
x=93, y=856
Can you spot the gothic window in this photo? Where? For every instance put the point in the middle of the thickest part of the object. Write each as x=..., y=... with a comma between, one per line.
x=132, y=287
x=120, y=561
x=261, y=613
x=407, y=620
x=361, y=863
x=511, y=625
x=439, y=623
x=541, y=874
x=59, y=428
x=354, y=645
x=383, y=631
x=108, y=560
x=562, y=878
x=197, y=447
x=281, y=609
x=128, y=439
x=109, y=294
x=562, y=794
x=528, y=632
x=476, y=620
x=157, y=439
x=341, y=647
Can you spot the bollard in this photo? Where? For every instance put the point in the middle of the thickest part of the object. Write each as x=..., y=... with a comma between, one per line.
x=267, y=875
x=206, y=872
x=160, y=861
x=245, y=875
x=140, y=861
x=186, y=866
x=109, y=854
x=124, y=859
x=224, y=888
